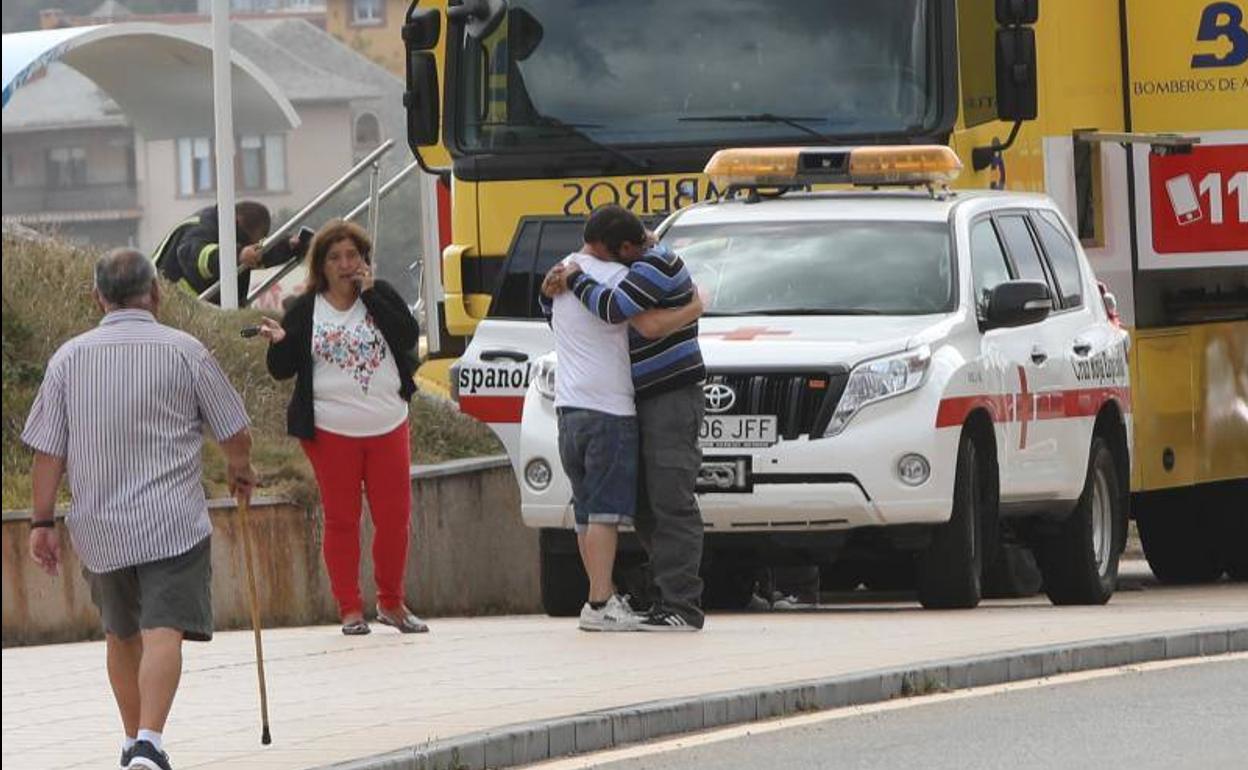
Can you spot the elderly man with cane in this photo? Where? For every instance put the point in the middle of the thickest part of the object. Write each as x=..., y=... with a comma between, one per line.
x=121, y=409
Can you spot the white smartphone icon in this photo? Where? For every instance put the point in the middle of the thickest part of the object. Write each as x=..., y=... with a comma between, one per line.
x=1183, y=199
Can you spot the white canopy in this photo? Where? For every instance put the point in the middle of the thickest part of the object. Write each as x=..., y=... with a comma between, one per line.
x=159, y=74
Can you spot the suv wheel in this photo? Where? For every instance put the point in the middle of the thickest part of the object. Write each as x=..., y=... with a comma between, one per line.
x=1079, y=558
x=950, y=568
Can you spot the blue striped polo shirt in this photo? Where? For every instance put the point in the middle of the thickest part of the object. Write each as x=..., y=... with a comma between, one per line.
x=658, y=280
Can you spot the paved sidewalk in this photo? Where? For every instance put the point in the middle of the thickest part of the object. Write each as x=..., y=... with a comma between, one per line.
x=333, y=698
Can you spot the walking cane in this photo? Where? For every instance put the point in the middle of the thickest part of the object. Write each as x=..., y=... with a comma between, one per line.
x=245, y=513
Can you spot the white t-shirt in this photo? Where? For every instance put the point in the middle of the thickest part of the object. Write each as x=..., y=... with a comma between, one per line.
x=594, y=370
x=355, y=380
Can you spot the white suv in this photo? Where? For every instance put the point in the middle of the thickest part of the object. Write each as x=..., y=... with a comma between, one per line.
x=926, y=376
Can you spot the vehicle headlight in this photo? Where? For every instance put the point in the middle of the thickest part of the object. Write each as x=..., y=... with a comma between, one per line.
x=877, y=380
x=544, y=377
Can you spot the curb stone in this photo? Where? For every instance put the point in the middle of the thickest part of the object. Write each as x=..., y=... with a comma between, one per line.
x=530, y=742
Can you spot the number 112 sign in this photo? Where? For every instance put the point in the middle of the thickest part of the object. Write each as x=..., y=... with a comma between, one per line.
x=1199, y=201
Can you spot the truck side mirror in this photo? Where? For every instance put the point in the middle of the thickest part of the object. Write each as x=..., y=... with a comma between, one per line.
x=1016, y=74
x=1017, y=90
x=422, y=29
x=421, y=100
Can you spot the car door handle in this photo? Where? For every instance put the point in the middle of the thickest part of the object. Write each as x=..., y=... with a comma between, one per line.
x=1082, y=347
x=1038, y=355
x=512, y=355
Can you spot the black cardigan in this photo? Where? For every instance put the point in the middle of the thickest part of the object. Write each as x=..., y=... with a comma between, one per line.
x=292, y=357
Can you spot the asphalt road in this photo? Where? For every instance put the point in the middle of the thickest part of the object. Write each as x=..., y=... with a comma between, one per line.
x=1193, y=716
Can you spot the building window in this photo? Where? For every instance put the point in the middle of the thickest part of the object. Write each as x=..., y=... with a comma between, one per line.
x=195, y=166
x=367, y=131
x=67, y=167
x=275, y=162
x=251, y=163
x=367, y=11
x=259, y=164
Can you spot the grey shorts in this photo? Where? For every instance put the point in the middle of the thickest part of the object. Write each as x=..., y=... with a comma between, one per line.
x=169, y=593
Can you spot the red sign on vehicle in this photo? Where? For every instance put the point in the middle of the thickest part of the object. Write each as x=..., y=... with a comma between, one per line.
x=1200, y=200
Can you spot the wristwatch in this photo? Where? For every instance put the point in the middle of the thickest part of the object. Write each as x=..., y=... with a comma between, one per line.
x=42, y=523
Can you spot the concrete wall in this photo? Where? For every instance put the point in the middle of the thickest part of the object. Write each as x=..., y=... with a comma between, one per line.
x=470, y=555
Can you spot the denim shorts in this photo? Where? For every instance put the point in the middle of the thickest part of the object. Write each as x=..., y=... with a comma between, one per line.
x=599, y=454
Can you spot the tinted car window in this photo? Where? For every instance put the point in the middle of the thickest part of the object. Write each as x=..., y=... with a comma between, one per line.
x=987, y=260
x=538, y=246
x=1022, y=248
x=1062, y=257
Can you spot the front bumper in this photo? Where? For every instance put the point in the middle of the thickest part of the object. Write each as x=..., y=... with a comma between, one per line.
x=842, y=482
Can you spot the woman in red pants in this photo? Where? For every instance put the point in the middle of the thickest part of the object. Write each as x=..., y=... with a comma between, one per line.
x=349, y=342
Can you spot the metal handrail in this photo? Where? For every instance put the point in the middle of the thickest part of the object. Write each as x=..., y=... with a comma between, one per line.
x=290, y=224
x=385, y=190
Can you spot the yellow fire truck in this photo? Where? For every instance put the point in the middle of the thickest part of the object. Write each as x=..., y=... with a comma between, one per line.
x=1132, y=115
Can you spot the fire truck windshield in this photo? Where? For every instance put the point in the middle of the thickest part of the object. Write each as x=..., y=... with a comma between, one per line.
x=554, y=76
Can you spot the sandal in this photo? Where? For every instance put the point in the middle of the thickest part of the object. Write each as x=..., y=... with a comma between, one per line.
x=408, y=624
x=355, y=628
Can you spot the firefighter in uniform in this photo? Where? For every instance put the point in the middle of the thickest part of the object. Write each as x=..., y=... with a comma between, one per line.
x=188, y=254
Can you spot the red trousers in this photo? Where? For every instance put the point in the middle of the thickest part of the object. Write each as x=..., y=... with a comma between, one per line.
x=381, y=464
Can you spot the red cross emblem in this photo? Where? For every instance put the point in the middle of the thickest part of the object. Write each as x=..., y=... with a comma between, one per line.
x=747, y=333
x=1024, y=407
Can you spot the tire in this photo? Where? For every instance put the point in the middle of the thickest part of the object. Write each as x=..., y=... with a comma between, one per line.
x=1235, y=544
x=1230, y=501
x=1079, y=557
x=1012, y=574
x=951, y=567
x=1180, y=537
x=565, y=587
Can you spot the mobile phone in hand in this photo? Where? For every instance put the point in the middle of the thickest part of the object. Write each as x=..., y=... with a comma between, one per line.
x=249, y=331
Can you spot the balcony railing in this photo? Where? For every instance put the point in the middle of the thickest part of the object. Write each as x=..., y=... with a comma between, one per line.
x=89, y=197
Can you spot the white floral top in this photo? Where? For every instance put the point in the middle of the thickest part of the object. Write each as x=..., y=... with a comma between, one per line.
x=355, y=381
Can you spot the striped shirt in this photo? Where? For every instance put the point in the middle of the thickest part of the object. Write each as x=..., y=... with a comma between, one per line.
x=658, y=280
x=125, y=405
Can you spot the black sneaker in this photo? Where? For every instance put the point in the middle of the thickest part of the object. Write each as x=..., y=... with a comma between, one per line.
x=663, y=619
x=126, y=754
x=145, y=756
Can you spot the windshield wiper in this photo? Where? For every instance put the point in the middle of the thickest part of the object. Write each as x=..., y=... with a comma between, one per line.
x=799, y=311
x=574, y=130
x=794, y=121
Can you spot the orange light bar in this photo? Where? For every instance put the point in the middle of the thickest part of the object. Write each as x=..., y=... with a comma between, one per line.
x=788, y=166
x=760, y=166
x=919, y=164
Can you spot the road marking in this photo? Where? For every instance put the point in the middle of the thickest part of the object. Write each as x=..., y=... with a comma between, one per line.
x=785, y=723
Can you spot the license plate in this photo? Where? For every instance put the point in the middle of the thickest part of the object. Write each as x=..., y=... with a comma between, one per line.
x=751, y=430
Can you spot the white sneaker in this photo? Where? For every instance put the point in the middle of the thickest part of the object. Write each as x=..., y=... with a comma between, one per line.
x=615, y=615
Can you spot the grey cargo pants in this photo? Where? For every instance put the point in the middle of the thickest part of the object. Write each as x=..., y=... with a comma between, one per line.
x=668, y=521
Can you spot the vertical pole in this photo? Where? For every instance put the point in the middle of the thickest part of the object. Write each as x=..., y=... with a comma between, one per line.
x=223, y=110
x=374, y=205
